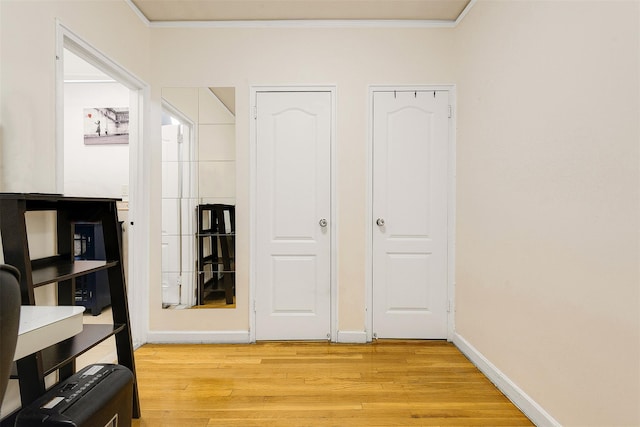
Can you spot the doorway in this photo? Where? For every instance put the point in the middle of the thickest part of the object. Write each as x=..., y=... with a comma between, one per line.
x=292, y=282
x=179, y=182
x=410, y=236
x=134, y=193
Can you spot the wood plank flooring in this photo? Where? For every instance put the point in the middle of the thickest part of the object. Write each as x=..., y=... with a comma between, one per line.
x=387, y=383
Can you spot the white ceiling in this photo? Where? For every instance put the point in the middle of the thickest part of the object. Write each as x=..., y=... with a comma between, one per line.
x=283, y=10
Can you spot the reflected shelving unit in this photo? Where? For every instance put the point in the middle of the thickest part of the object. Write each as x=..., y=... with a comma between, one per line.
x=216, y=251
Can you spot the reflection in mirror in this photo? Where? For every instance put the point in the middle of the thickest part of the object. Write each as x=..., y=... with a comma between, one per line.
x=198, y=197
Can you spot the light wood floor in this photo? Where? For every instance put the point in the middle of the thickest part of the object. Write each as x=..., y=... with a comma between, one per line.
x=388, y=383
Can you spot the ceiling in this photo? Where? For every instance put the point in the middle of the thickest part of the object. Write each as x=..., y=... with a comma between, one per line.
x=285, y=10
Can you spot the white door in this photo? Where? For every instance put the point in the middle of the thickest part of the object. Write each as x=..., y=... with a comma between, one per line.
x=293, y=227
x=410, y=137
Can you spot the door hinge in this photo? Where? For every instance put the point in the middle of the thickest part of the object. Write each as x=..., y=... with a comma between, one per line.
x=449, y=305
x=255, y=112
x=450, y=111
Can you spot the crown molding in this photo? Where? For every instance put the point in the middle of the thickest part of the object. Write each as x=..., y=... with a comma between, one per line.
x=311, y=23
x=315, y=23
x=464, y=12
x=138, y=13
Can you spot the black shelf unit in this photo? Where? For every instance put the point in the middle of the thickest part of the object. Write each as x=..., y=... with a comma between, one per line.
x=216, y=251
x=63, y=270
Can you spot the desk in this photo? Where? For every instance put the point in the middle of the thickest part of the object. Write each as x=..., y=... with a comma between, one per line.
x=42, y=326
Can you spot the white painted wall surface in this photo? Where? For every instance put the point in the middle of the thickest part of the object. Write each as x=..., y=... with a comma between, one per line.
x=548, y=166
x=548, y=209
x=216, y=150
x=27, y=106
x=93, y=170
x=352, y=59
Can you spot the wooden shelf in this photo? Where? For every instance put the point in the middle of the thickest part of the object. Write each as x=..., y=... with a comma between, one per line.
x=56, y=269
x=59, y=354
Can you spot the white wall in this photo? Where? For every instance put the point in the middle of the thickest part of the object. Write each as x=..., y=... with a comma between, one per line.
x=351, y=59
x=1, y=124
x=27, y=106
x=93, y=170
x=548, y=201
x=548, y=167
x=216, y=150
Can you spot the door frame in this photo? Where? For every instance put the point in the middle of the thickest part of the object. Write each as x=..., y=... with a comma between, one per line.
x=139, y=167
x=253, y=197
x=451, y=202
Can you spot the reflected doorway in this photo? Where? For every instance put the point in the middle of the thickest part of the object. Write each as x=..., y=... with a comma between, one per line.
x=198, y=198
x=178, y=227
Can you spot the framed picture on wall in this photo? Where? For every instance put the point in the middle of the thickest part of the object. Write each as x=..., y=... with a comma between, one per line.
x=106, y=126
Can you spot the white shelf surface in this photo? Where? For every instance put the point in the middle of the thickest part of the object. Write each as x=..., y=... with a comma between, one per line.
x=42, y=326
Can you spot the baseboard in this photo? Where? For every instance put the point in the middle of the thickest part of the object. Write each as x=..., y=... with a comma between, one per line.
x=523, y=401
x=352, y=337
x=198, y=337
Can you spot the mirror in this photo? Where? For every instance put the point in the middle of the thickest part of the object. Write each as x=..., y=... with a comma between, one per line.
x=198, y=197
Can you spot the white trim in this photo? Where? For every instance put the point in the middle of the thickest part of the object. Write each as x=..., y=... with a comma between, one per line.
x=139, y=212
x=90, y=81
x=309, y=23
x=522, y=400
x=451, y=203
x=166, y=105
x=59, y=106
x=368, y=223
x=464, y=12
x=139, y=166
x=451, y=215
x=253, y=218
x=138, y=12
x=333, y=221
x=67, y=39
x=198, y=337
x=352, y=337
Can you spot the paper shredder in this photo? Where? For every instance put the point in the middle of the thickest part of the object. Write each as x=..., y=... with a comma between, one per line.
x=100, y=395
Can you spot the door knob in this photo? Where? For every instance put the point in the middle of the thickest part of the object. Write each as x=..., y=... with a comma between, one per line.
x=323, y=223
x=380, y=222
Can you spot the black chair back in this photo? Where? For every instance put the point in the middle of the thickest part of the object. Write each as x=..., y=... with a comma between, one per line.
x=9, y=321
